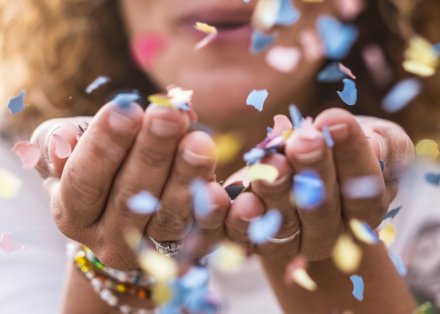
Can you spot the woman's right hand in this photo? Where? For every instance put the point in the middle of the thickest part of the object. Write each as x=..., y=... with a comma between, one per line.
x=125, y=151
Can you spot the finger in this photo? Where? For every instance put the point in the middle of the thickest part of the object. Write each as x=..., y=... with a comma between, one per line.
x=147, y=166
x=321, y=215
x=278, y=195
x=246, y=206
x=89, y=171
x=355, y=160
x=196, y=158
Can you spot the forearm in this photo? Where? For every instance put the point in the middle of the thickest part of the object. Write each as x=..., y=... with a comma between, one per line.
x=385, y=291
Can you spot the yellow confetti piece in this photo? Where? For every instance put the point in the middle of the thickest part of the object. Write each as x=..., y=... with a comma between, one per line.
x=205, y=28
x=228, y=146
x=161, y=268
x=160, y=100
x=361, y=233
x=427, y=148
x=346, y=254
x=387, y=234
x=420, y=57
x=262, y=172
x=302, y=278
x=229, y=256
x=265, y=14
x=9, y=184
x=423, y=308
x=162, y=293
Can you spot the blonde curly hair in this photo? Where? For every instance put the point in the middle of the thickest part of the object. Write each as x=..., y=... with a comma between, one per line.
x=54, y=48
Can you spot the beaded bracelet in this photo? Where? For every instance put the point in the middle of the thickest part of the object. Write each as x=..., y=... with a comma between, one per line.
x=104, y=293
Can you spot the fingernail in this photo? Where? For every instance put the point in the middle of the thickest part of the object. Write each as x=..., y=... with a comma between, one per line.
x=195, y=159
x=164, y=128
x=310, y=157
x=120, y=121
x=383, y=148
x=339, y=131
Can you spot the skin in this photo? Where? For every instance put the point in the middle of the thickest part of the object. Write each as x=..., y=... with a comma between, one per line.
x=155, y=151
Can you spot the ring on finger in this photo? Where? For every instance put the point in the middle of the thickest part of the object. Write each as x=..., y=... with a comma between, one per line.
x=167, y=248
x=285, y=240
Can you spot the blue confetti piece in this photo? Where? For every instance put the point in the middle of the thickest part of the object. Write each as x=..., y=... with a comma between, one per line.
x=97, y=83
x=382, y=165
x=256, y=99
x=198, y=302
x=392, y=213
x=337, y=38
x=358, y=287
x=288, y=14
x=16, y=104
x=124, y=100
x=398, y=263
x=331, y=73
x=308, y=190
x=437, y=48
x=401, y=94
x=295, y=116
x=264, y=227
x=143, y=203
x=261, y=41
x=202, y=201
x=268, y=130
x=433, y=178
x=349, y=93
x=254, y=155
x=328, y=137
x=196, y=277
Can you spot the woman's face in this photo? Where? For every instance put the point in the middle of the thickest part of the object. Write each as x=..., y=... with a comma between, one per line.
x=224, y=72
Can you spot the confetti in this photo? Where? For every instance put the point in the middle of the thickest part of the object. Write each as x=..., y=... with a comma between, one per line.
x=376, y=64
x=202, y=200
x=331, y=73
x=349, y=9
x=196, y=277
x=420, y=57
x=235, y=188
x=97, y=83
x=295, y=116
x=146, y=48
x=260, y=41
x=392, y=213
x=9, y=184
x=254, y=155
x=358, y=287
x=264, y=227
x=287, y=13
x=29, y=154
x=229, y=256
x=263, y=172
x=398, y=263
x=281, y=125
x=161, y=293
x=328, y=137
x=337, y=37
x=346, y=71
x=311, y=45
x=387, y=234
x=433, y=178
x=382, y=165
x=143, y=203
x=427, y=148
x=16, y=104
x=283, y=59
x=62, y=146
x=302, y=278
x=363, y=187
x=228, y=146
x=401, y=94
x=256, y=99
x=265, y=14
x=349, y=93
x=363, y=232
x=346, y=254
x=161, y=268
x=425, y=308
x=124, y=100
x=211, y=32
x=7, y=245
x=308, y=190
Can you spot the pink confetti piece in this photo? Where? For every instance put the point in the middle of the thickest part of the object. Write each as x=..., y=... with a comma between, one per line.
x=8, y=245
x=62, y=146
x=29, y=154
x=349, y=9
x=307, y=130
x=283, y=59
x=146, y=48
x=281, y=123
x=311, y=44
x=346, y=71
x=377, y=65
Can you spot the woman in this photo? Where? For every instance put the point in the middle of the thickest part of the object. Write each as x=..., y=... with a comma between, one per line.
x=89, y=190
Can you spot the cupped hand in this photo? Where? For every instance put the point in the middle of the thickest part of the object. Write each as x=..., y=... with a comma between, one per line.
x=361, y=145
x=125, y=151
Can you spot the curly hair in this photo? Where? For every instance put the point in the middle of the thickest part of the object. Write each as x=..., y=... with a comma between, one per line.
x=53, y=49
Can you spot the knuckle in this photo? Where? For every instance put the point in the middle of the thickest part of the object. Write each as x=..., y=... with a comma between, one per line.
x=153, y=157
x=170, y=222
x=103, y=146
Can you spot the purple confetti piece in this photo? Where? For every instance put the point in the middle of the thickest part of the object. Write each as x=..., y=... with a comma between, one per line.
x=288, y=14
x=256, y=99
x=254, y=155
x=264, y=227
x=143, y=203
x=349, y=93
x=401, y=94
x=16, y=104
x=260, y=41
x=97, y=83
x=358, y=287
x=328, y=137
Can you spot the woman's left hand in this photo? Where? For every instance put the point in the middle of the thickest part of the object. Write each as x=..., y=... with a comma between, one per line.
x=359, y=144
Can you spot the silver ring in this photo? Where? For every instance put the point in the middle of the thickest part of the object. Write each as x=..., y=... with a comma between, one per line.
x=167, y=248
x=285, y=240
